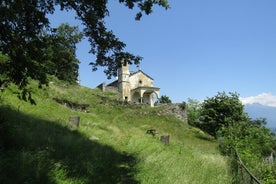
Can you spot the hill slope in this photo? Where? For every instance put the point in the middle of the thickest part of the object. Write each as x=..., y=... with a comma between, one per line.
x=109, y=146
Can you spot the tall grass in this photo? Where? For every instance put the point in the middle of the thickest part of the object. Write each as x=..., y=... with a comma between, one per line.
x=110, y=146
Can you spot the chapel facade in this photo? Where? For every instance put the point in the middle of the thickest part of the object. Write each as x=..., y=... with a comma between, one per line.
x=135, y=87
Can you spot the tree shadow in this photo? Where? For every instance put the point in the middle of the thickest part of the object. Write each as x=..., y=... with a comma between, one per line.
x=34, y=150
x=205, y=137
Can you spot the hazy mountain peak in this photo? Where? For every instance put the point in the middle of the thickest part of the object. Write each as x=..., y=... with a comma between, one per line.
x=257, y=110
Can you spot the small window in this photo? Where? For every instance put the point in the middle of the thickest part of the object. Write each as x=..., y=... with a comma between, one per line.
x=140, y=82
x=126, y=98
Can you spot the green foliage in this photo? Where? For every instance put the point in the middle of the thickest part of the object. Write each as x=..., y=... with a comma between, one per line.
x=223, y=116
x=193, y=110
x=61, y=51
x=221, y=111
x=183, y=105
x=248, y=135
x=253, y=141
x=20, y=39
x=3, y=68
x=164, y=99
x=23, y=24
x=109, y=146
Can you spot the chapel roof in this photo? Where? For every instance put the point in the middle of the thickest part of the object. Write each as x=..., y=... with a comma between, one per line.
x=131, y=74
x=134, y=73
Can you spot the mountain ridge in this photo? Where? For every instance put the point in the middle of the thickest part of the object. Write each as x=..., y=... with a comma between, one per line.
x=257, y=110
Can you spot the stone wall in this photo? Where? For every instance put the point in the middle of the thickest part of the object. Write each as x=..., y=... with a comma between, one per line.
x=104, y=88
x=111, y=88
x=176, y=110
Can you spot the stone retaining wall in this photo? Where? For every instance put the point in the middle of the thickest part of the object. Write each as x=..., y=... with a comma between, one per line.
x=176, y=110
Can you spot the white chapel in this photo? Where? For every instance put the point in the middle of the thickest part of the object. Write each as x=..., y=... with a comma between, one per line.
x=135, y=87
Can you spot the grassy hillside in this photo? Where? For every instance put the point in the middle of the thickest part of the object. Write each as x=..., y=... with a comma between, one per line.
x=109, y=146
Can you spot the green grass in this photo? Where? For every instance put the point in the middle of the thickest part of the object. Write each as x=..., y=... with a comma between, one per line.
x=110, y=145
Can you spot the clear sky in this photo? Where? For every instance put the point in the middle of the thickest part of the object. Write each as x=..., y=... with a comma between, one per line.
x=196, y=48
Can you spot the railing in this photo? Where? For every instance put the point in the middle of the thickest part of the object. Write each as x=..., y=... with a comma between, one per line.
x=243, y=175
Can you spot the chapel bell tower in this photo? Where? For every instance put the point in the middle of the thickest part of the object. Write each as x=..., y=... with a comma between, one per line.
x=123, y=80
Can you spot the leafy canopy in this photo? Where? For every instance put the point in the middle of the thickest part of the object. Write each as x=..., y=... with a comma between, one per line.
x=223, y=117
x=165, y=99
x=221, y=110
x=22, y=24
x=254, y=142
x=61, y=51
x=193, y=111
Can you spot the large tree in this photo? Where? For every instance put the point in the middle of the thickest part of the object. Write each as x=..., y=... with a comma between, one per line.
x=61, y=51
x=220, y=111
x=22, y=24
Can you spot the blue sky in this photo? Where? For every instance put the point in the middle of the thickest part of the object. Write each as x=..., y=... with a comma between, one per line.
x=196, y=48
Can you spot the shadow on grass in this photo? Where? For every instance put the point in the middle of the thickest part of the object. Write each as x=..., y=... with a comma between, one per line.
x=205, y=137
x=33, y=150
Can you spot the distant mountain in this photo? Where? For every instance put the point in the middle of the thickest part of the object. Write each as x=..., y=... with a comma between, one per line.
x=257, y=110
x=273, y=130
